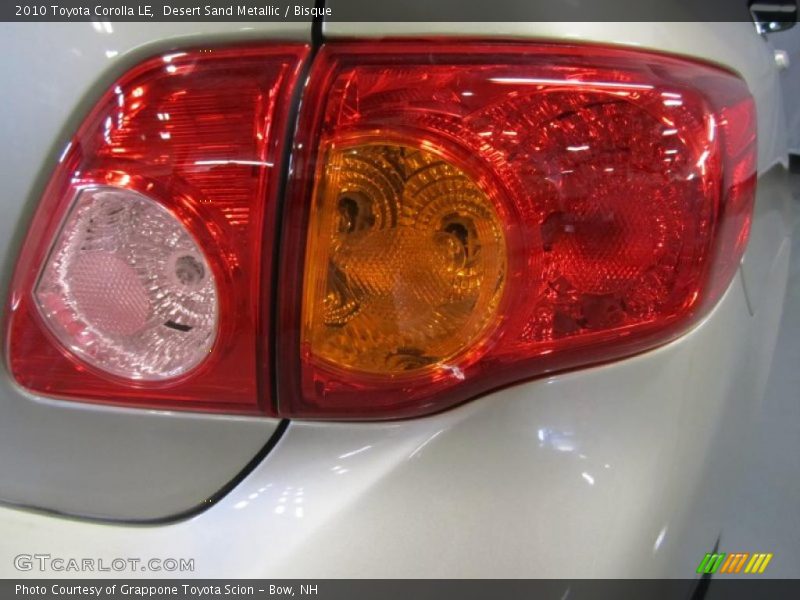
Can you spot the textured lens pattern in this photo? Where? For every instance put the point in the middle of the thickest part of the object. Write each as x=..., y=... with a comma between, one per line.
x=615, y=191
x=613, y=183
x=623, y=182
x=408, y=260
x=118, y=300
x=127, y=288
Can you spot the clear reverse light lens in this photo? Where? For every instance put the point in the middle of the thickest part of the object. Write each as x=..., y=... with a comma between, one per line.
x=127, y=288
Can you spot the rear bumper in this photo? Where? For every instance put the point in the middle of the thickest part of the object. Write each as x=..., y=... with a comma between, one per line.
x=613, y=471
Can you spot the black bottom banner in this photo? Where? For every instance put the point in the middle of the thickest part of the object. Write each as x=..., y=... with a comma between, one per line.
x=388, y=589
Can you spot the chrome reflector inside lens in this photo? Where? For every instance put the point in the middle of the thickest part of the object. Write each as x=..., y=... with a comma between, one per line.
x=127, y=289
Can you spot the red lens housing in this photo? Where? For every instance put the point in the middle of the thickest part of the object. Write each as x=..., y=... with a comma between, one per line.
x=625, y=181
x=202, y=132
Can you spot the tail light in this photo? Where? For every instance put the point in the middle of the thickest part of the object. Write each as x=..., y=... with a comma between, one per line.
x=477, y=214
x=140, y=279
x=459, y=216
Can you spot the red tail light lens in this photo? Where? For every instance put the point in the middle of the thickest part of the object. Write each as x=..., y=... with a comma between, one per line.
x=461, y=216
x=468, y=215
x=140, y=279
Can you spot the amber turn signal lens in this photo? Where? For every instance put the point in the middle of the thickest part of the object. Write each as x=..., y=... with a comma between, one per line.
x=405, y=263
